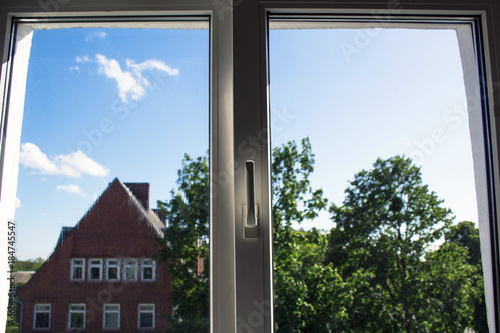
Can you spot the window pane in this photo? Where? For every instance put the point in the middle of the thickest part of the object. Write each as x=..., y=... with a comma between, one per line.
x=146, y=320
x=374, y=206
x=42, y=320
x=111, y=320
x=110, y=117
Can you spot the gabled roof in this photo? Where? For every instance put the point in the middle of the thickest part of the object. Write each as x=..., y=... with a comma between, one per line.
x=150, y=216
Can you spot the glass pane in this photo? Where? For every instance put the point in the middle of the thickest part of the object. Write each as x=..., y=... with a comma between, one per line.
x=114, y=144
x=111, y=320
x=374, y=205
x=146, y=320
x=42, y=320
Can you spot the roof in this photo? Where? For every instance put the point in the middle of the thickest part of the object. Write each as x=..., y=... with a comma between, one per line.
x=64, y=232
x=142, y=190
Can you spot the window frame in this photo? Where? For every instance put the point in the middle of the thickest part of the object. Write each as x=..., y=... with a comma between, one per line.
x=126, y=265
x=91, y=265
x=145, y=311
x=239, y=110
x=153, y=269
x=73, y=266
x=110, y=311
x=72, y=311
x=117, y=266
x=35, y=312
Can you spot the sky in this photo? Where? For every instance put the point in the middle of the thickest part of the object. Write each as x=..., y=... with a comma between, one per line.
x=128, y=103
x=363, y=94
x=100, y=104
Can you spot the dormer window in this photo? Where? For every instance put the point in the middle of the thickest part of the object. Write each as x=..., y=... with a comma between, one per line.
x=77, y=269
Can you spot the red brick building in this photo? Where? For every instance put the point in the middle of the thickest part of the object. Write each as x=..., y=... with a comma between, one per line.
x=100, y=276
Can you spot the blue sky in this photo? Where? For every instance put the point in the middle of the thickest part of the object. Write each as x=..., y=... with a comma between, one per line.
x=100, y=104
x=128, y=103
x=363, y=94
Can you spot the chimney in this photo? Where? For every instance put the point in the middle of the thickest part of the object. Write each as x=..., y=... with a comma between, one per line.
x=141, y=192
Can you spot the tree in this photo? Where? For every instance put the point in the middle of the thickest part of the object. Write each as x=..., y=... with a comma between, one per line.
x=387, y=222
x=309, y=296
x=466, y=235
x=185, y=246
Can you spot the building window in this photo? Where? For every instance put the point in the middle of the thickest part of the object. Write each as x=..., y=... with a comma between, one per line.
x=76, y=316
x=130, y=270
x=111, y=316
x=146, y=318
x=41, y=317
x=148, y=270
x=112, y=269
x=95, y=269
x=77, y=269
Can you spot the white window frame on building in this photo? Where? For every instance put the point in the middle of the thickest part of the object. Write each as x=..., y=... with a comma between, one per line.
x=148, y=263
x=113, y=263
x=146, y=309
x=77, y=266
x=240, y=268
x=110, y=309
x=95, y=263
x=128, y=264
x=42, y=308
x=76, y=309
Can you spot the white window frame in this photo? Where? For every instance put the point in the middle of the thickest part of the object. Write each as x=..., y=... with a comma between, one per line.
x=72, y=311
x=239, y=110
x=151, y=265
x=94, y=265
x=73, y=266
x=114, y=265
x=36, y=311
x=130, y=262
x=139, y=311
x=108, y=311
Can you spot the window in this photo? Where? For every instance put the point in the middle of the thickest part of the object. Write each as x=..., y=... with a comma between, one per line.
x=41, y=316
x=148, y=269
x=112, y=269
x=130, y=270
x=146, y=316
x=76, y=316
x=77, y=269
x=95, y=269
x=111, y=316
x=240, y=119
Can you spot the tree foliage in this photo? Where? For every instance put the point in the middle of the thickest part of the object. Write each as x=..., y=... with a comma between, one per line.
x=379, y=269
x=185, y=246
x=387, y=225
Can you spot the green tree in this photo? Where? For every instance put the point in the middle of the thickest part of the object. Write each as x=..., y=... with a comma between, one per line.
x=387, y=222
x=466, y=235
x=185, y=246
x=450, y=289
x=29, y=265
x=309, y=296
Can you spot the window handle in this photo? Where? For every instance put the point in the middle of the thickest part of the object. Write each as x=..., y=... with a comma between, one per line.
x=250, y=209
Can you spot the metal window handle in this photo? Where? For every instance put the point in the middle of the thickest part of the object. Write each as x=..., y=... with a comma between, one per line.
x=250, y=209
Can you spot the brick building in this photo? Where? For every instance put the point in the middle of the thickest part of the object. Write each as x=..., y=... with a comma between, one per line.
x=101, y=276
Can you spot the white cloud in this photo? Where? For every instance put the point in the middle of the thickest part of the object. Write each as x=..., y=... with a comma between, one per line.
x=74, y=68
x=71, y=165
x=100, y=34
x=70, y=188
x=82, y=59
x=18, y=202
x=131, y=84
